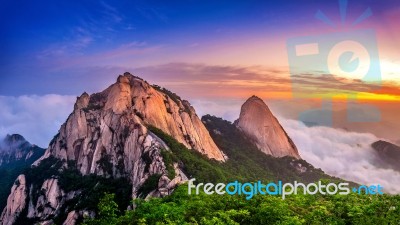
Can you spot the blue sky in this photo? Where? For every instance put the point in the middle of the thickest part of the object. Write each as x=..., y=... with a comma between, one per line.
x=67, y=47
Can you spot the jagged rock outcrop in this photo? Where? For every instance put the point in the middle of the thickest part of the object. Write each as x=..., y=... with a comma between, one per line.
x=261, y=126
x=71, y=218
x=130, y=104
x=48, y=202
x=107, y=134
x=16, y=202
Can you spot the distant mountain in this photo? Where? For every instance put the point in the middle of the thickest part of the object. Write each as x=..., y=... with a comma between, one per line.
x=137, y=140
x=16, y=154
x=258, y=123
x=388, y=154
x=16, y=151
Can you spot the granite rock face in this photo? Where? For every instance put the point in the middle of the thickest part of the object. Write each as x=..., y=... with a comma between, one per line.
x=107, y=134
x=261, y=126
x=16, y=201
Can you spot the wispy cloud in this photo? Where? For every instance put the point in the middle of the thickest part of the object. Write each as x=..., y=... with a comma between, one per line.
x=152, y=13
x=93, y=29
x=111, y=12
x=72, y=44
x=133, y=44
x=264, y=81
x=37, y=118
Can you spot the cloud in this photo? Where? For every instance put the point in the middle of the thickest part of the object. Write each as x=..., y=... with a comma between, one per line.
x=111, y=12
x=226, y=109
x=343, y=154
x=201, y=80
x=37, y=118
x=73, y=44
x=239, y=81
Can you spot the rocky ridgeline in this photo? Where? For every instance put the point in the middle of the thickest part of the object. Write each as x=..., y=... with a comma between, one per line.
x=107, y=135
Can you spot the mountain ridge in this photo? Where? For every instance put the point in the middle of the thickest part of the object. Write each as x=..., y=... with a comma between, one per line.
x=138, y=140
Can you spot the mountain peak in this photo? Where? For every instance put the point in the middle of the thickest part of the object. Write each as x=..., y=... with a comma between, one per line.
x=258, y=123
x=124, y=107
x=14, y=138
x=255, y=100
x=13, y=141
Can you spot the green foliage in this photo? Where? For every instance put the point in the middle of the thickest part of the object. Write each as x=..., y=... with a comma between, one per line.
x=169, y=160
x=194, y=163
x=181, y=208
x=92, y=187
x=250, y=164
x=105, y=163
x=149, y=185
x=246, y=163
x=107, y=211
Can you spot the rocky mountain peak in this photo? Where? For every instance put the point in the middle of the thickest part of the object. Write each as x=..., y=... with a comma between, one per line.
x=13, y=139
x=108, y=134
x=259, y=124
x=104, y=120
x=15, y=148
x=82, y=101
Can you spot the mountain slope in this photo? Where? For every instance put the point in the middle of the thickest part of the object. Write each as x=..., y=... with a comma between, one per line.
x=15, y=151
x=388, y=154
x=16, y=154
x=106, y=136
x=246, y=160
x=137, y=141
x=259, y=124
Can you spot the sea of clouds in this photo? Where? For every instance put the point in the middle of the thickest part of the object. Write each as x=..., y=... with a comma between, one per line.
x=343, y=154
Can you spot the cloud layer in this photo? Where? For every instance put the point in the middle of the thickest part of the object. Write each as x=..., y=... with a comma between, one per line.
x=340, y=153
x=37, y=118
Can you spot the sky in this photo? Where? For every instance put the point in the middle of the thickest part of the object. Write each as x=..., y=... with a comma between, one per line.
x=67, y=47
